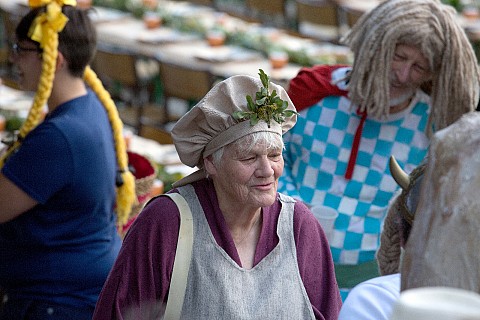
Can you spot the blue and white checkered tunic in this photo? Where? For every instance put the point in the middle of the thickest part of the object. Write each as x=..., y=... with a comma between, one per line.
x=316, y=157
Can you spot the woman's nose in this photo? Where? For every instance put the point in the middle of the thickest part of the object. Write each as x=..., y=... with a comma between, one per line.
x=403, y=72
x=265, y=168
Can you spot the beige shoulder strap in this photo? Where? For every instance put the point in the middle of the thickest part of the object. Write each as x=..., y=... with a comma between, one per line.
x=181, y=264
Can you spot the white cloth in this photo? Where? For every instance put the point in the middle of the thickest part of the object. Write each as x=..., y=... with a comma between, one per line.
x=437, y=303
x=372, y=299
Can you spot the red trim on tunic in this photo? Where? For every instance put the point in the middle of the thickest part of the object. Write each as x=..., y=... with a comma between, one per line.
x=314, y=84
x=355, y=146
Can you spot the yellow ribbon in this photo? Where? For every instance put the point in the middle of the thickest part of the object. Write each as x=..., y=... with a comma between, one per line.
x=39, y=3
x=53, y=18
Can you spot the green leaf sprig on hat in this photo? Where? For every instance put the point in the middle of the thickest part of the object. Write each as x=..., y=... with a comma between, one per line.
x=266, y=107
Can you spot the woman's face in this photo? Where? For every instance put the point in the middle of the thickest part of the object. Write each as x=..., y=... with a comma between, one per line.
x=27, y=59
x=247, y=177
x=410, y=69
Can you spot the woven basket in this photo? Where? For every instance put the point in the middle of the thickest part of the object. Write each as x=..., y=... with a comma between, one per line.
x=145, y=173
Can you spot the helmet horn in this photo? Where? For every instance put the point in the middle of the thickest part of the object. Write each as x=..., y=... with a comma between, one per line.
x=400, y=176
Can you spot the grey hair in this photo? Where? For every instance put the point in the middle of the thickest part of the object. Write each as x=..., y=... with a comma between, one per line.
x=245, y=144
x=434, y=29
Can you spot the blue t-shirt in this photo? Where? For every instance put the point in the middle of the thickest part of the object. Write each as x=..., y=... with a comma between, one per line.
x=63, y=249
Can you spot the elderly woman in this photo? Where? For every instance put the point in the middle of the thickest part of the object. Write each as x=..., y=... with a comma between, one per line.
x=256, y=254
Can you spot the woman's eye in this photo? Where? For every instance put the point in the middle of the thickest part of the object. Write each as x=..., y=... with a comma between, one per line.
x=275, y=156
x=398, y=57
x=421, y=68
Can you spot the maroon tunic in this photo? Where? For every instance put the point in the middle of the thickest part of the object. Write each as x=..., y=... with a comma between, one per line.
x=142, y=272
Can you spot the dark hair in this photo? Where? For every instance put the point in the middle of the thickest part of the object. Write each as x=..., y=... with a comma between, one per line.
x=77, y=41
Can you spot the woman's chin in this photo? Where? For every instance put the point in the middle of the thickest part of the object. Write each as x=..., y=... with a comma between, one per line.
x=266, y=199
x=400, y=96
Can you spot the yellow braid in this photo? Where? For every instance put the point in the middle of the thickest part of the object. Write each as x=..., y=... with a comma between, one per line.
x=45, y=31
x=44, y=89
x=126, y=192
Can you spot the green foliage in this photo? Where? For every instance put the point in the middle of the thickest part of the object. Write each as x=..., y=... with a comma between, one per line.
x=168, y=178
x=114, y=4
x=13, y=124
x=457, y=4
x=266, y=106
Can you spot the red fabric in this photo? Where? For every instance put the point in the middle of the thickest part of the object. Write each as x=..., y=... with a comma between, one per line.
x=143, y=167
x=312, y=85
x=356, y=143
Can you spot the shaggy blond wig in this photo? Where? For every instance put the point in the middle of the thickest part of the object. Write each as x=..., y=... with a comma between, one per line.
x=433, y=28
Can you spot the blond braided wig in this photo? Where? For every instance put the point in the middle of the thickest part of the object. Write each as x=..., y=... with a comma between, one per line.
x=49, y=58
x=433, y=28
x=126, y=192
x=49, y=43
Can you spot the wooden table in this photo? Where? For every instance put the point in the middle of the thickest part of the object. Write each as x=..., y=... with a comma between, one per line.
x=192, y=50
x=188, y=49
x=172, y=46
x=281, y=76
x=162, y=154
x=17, y=103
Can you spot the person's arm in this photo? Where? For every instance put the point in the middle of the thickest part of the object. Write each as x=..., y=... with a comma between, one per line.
x=13, y=200
x=316, y=264
x=312, y=85
x=37, y=170
x=137, y=285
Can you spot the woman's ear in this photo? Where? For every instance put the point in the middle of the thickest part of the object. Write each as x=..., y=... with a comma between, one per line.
x=61, y=62
x=209, y=166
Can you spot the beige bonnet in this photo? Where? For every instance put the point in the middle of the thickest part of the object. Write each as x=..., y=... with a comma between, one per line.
x=209, y=125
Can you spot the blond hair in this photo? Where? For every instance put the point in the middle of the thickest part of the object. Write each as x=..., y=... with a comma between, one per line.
x=49, y=43
x=434, y=29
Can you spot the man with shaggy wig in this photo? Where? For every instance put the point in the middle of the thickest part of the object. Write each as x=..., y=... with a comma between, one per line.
x=414, y=73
